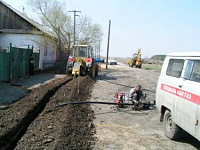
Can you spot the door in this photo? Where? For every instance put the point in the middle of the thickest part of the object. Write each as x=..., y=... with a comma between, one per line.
x=187, y=97
x=170, y=83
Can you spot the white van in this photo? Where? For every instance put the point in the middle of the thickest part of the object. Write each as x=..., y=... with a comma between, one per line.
x=178, y=94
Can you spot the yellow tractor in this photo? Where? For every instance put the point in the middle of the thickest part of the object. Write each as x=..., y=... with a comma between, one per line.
x=81, y=62
x=136, y=60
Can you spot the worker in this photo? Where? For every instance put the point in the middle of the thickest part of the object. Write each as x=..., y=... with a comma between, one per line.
x=31, y=65
x=136, y=94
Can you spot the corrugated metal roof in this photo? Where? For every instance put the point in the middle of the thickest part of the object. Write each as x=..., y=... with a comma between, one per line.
x=31, y=21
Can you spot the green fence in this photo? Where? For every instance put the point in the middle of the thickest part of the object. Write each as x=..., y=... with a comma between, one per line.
x=15, y=63
x=4, y=67
x=36, y=57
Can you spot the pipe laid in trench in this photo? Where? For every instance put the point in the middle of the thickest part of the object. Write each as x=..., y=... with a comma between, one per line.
x=88, y=102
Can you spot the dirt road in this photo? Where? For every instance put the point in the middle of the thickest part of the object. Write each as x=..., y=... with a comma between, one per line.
x=125, y=128
x=28, y=123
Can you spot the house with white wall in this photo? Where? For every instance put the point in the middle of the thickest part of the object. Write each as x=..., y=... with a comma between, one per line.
x=21, y=31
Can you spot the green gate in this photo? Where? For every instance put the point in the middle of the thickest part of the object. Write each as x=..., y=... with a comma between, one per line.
x=15, y=63
x=4, y=66
x=36, y=57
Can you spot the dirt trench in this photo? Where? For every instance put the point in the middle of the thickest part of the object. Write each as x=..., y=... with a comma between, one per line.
x=15, y=120
x=69, y=127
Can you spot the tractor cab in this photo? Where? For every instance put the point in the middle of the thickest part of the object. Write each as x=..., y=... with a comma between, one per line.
x=83, y=51
x=82, y=62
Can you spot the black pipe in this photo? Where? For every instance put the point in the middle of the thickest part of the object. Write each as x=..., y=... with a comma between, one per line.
x=88, y=102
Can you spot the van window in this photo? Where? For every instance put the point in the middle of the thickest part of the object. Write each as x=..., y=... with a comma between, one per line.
x=196, y=72
x=192, y=70
x=188, y=69
x=175, y=67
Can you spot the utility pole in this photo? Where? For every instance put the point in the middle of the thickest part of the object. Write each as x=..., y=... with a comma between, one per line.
x=99, y=48
x=108, y=44
x=75, y=24
x=69, y=40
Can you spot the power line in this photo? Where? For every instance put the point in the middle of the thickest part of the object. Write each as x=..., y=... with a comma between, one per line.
x=125, y=8
x=128, y=4
x=72, y=4
x=76, y=5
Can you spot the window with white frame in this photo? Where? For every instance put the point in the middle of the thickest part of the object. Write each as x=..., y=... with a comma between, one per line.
x=192, y=70
x=175, y=67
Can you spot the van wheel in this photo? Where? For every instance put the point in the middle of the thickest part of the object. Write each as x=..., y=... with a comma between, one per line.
x=171, y=130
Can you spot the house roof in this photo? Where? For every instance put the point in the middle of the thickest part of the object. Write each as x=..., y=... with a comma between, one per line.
x=31, y=21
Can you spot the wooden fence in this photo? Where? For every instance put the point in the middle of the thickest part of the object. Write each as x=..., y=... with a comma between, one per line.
x=15, y=63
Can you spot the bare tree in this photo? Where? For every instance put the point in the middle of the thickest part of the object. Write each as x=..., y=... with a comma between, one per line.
x=58, y=22
x=53, y=18
x=89, y=33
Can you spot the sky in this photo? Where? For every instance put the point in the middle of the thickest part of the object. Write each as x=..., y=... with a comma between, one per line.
x=155, y=26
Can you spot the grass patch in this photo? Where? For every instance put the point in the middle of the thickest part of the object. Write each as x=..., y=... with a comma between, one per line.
x=155, y=67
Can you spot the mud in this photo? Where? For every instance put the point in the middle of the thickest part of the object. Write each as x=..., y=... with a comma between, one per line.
x=68, y=127
x=19, y=115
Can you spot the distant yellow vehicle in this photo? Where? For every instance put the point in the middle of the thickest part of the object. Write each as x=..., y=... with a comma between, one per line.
x=136, y=60
x=82, y=62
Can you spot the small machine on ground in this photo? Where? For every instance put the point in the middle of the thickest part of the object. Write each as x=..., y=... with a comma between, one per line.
x=82, y=62
x=123, y=98
x=136, y=60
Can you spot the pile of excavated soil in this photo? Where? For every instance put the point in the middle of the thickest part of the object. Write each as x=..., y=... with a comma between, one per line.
x=68, y=127
x=20, y=114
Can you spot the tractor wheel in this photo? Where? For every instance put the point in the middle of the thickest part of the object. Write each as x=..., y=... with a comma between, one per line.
x=92, y=71
x=171, y=130
x=131, y=64
x=139, y=66
x=96, y=70
x=69, y=71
